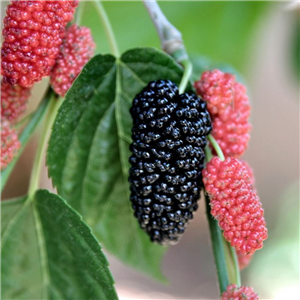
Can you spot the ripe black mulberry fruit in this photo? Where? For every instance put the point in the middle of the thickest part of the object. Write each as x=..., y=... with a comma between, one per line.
x=169, y=135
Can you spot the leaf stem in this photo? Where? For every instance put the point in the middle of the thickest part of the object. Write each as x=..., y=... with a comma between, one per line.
x=26, y=134
x=108, y=29
x=216, y=147
x=36, y=170
x=186, y=75
x=218, y=248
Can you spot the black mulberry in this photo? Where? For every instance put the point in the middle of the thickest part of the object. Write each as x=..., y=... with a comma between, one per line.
x=169, y=135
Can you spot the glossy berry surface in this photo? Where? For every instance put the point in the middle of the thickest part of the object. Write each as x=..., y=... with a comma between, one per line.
x=9, y=143
x=169, y=135
x=235, y=204
x=14, y=100
x=78, y=47
x=242, y=293
x=217, y=89
x=32, y=35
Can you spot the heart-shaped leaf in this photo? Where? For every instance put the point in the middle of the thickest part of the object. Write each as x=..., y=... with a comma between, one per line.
x=89, y=150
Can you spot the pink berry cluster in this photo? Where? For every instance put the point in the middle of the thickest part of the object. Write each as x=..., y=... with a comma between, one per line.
x=78, y=47
x=217, y=89
x=36, y=44
x=9, y=143
x=242, y=293
x=33, y=32
x=13, y=101
x=235, y=204
x=229, y=108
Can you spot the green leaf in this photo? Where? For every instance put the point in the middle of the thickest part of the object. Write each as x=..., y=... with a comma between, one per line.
x=89, y=150
x=48, y=252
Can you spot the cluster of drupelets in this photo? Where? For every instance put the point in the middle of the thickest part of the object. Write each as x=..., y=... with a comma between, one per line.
x=37, y=43
x=227, y=179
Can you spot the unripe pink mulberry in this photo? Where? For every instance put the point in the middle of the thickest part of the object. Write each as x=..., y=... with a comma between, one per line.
x=14, y=100
x=242, y=293
x=235, y=204
x=249, y=170
x=32, y=33
x=231, y=131
x=229, y=107
x=78, y=47
x=9, y=143
x=217, y=89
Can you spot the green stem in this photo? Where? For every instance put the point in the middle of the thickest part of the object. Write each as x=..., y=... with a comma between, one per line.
x=208, y=153
x=216, y=147
x=26, y=134
x=171, y=40
x=49, y=120
x=229, y=261
x=188, y=68
x=218, y=248
x=108, y=29
x=236, y=265
x=79, y=13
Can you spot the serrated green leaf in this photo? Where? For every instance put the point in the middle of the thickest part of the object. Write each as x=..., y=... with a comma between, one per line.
x=89, y=150
x=48, y=252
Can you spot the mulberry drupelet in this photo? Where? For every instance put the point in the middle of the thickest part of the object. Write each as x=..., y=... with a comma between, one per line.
x=14, y=100
x=10, y=143
x=78, y=47
x=169, y=135
x=32, y=35
x=242, y=293
x=235, y=204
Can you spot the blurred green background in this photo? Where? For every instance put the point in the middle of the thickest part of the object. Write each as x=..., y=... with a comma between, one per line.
x=260, y=39
x=221, y=30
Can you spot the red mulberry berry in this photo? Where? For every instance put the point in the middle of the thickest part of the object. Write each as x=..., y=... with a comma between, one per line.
x=217, y=89
x=242, y=293
x=235, y=204
x=249, y=170
x=233, y=134
x=9, y=143
x=32, y=33
x=168, y=139
x=14, y=100
x=244, y=260
x=78, y=47
x=231, y=126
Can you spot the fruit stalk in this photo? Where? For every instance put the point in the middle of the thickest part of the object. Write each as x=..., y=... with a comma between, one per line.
x=171, y=40
x=48, y=122
x=218, y=248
